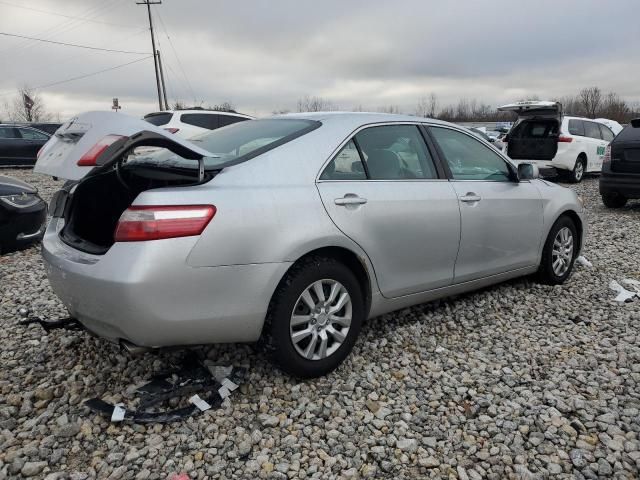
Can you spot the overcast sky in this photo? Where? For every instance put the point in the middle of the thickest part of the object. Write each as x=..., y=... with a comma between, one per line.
x=263, y=55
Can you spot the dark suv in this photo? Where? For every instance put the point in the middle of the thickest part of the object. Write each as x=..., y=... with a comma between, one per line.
x=620, y=178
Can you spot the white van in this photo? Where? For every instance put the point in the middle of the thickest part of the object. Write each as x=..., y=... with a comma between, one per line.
x=571, y=146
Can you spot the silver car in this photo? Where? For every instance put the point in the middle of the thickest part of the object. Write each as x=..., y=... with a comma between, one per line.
x=292, y=230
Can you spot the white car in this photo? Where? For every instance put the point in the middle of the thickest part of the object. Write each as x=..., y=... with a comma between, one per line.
x=187, y=123
x=566, y=145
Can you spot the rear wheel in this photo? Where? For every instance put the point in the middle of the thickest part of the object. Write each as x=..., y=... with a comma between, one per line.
x=314, y=317
x=613, y=200
x=577, y=174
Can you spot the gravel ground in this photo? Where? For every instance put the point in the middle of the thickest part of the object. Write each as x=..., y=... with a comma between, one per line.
x=515, y=381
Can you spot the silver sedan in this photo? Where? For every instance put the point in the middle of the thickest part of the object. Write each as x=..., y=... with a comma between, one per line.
x=292, y=230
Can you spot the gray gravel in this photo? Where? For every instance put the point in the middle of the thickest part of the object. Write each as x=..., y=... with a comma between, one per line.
x=515, y=381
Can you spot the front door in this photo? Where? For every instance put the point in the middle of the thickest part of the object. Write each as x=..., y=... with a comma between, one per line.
x=501, y=218
x=382, y=190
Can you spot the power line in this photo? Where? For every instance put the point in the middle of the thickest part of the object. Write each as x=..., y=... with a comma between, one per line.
x=85, y=75
x=175, y=54
x=66, y=16
x=71, y=44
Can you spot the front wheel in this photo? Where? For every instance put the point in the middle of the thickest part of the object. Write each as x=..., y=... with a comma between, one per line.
x=314, y=317
x=613, y=200
x=559, y=252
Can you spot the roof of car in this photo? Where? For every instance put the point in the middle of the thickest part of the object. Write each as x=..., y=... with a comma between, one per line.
x=359, y=118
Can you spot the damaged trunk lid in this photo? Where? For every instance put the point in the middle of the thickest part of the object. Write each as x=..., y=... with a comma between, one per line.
x=533, y=108
x=96, y=139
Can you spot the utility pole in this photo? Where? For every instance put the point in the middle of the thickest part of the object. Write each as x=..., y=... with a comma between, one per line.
x=148, y=3
x=162, y=84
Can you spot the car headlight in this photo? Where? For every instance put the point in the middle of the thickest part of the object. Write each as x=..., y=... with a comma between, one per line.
x=23, y=200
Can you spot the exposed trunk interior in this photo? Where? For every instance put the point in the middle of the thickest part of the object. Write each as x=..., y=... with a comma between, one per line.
x=92, y=214
x=534, y=139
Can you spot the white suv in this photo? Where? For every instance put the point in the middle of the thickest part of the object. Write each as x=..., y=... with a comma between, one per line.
x=555, y=142
x=187, y=123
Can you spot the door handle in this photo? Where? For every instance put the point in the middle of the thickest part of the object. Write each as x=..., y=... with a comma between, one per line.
x=470, y=197
x=350, y=199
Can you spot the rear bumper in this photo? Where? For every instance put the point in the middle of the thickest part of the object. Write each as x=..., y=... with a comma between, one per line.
x=624, y=184
x=145, y=293
x=22, y=226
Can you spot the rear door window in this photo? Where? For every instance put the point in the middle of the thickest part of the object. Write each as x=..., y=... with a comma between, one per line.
x=158, y=119
x=591, y=130
x=346, y=165
x=209, y=121
x=395, y=152
x=30, y=134
x=576, y=127
x=606, y=133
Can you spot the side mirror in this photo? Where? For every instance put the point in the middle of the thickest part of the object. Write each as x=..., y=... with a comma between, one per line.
x=527, y=171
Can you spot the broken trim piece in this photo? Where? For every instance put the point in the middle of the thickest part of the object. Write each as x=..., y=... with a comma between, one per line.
x=192, y=379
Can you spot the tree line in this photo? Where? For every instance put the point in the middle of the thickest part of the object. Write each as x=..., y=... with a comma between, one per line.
x=590, y=102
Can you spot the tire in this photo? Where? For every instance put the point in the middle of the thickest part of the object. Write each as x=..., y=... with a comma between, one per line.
x=613, y=200
x=577, y=174
x=546, y=273
x=288, y=299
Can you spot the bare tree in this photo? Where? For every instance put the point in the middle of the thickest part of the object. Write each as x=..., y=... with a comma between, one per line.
x=591, y=98
x=422, y=109
x=179, y=105
x=314, y=104
x=223, y=107
x=614, y=108
x=433, y=105
x=27, y=106
x=389, y=109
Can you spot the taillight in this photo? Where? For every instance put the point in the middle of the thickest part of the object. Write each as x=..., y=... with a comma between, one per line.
x=137, y=224
x=90, y=158
x=172, y=130
x=607, y=155
x=562, y=139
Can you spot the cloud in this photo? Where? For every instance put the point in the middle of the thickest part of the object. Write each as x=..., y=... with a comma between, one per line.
x=263, y=55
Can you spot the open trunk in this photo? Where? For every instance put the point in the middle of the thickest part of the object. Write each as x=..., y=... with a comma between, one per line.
x=93, y=210
x=534, y=139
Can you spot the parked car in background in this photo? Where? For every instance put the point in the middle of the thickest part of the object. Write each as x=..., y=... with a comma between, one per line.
x=19, y=145
x=46, y=127
x=491, y=139
x=620, y=179
x=187, y=123
x=295, y=230
x=22, y=214
x=570, y=146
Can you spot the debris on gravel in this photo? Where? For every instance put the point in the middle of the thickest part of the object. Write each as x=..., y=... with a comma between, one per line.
x=518, y=381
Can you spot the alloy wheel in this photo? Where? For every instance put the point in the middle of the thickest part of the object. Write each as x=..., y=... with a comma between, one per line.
x=579, y=171
x=321, y=319
x=562, y=252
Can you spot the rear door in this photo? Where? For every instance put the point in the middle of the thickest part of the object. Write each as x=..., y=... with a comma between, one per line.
x=596, y=146
x=501, y=218
x=383, y=190
x=93, y=132
x=10, y=145
x=32, y=141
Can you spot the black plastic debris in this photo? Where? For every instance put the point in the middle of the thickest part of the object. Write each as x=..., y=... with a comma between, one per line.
x=192, y=378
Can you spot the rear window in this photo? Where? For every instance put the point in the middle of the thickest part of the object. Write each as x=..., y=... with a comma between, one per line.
x=210, y=121
x=606, y=133
x=235, y=143
x=158, y=119
x=628, y=133
x=576, y=127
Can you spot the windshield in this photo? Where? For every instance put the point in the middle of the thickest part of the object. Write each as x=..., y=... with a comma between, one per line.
x=232, y=144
